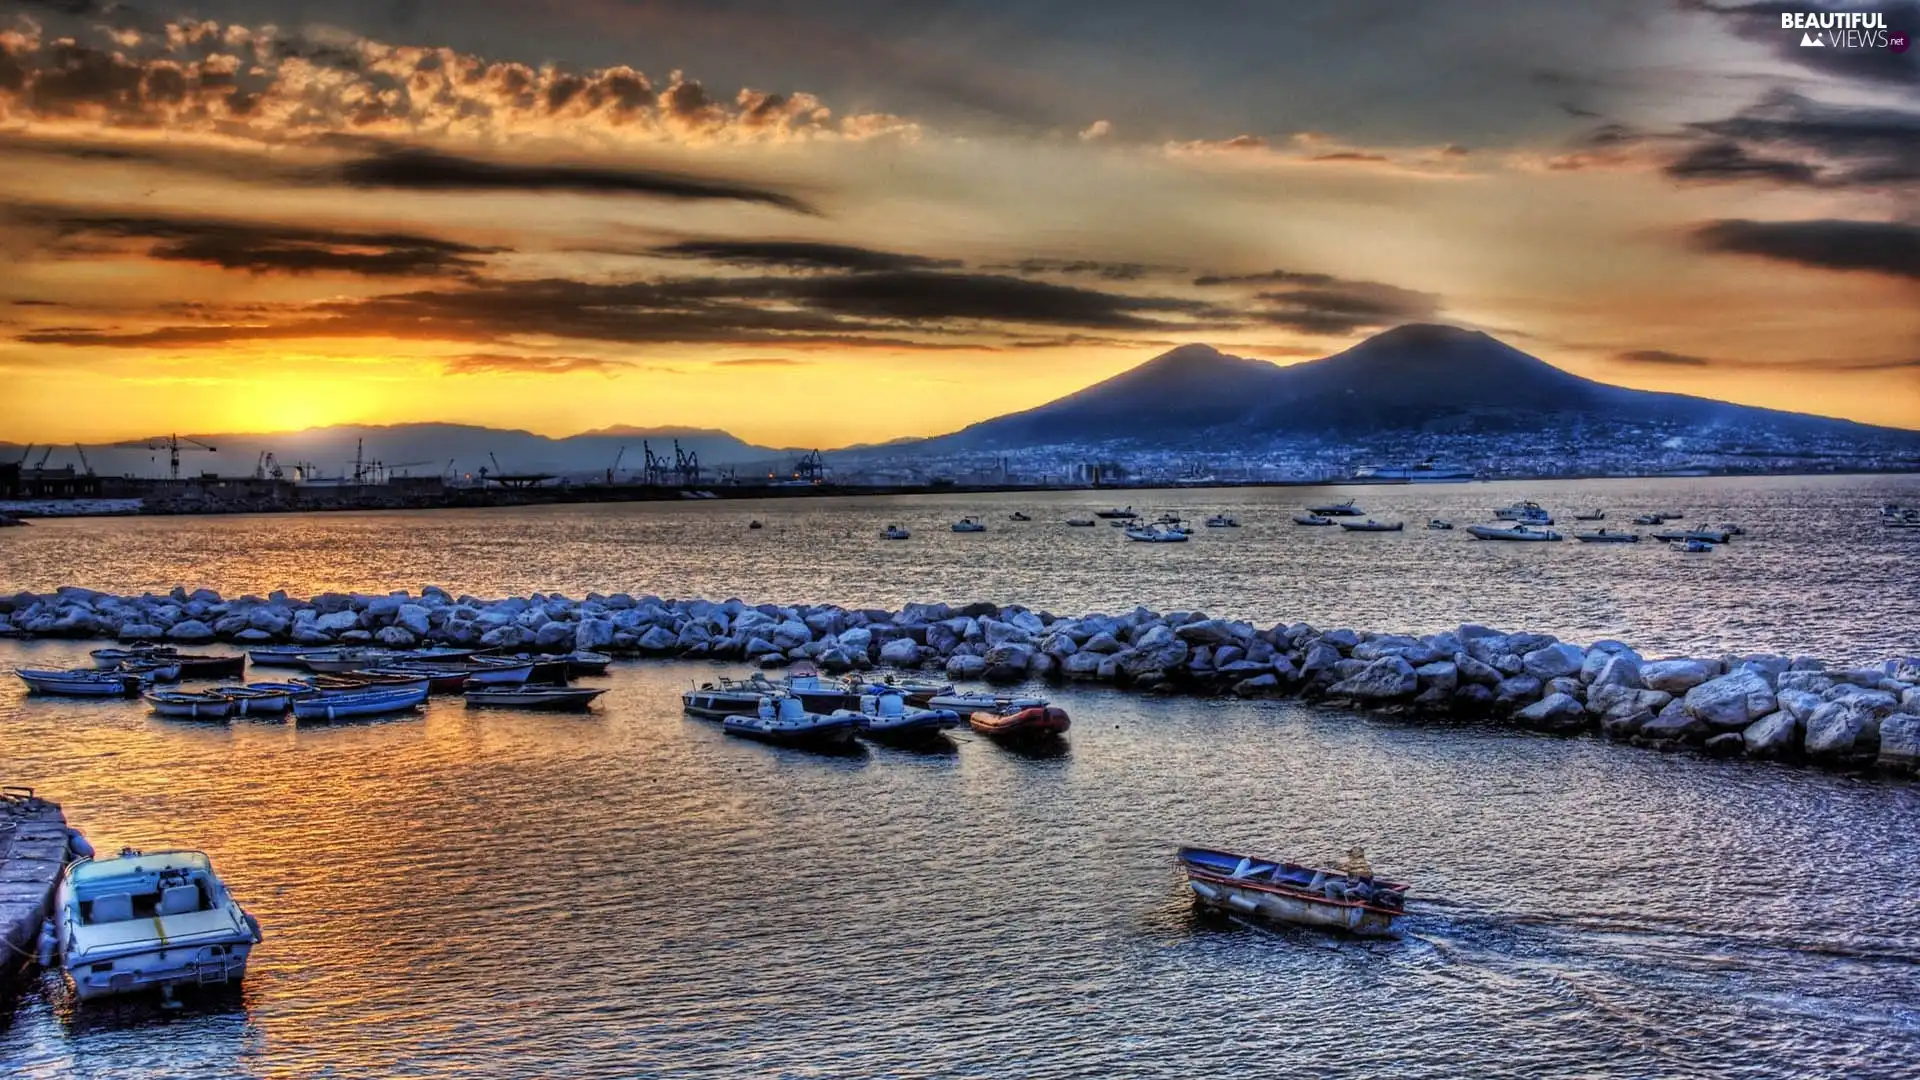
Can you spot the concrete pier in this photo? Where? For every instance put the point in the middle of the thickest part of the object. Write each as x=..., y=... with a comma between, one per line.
x=33, y=852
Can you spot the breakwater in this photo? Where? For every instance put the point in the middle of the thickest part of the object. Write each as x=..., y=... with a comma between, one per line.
x=34, y=847
x=1758, y=705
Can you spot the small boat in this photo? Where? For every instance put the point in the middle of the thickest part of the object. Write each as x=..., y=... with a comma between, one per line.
x=546, y=668
x=1117, y=513
x=1695, y=547
x=916, y=690
x=1014, y=724
x=964, y=703
x=1311, y=519
x=1156, y=534
x=353, y=682
x=1439, y=524
x=727, y=697
x=260, y=699
x=497, y=671
x=1222, y=521
x=108, y=659
x=149, y=922
x=816, y=693
x=1018, y=516
x=154, y=669
x=1517, y=532
x=194, y=666
x=1892, y=510
x=278, y=655
x=1371, y=525
x=445, y=654
x=197, y=705
x=1591, y=515
x=80, y=682
x=968, y=525
x=896, y=532
x=440, y=678
x=588, y=662
x=783, y=721
x=755, y=524
x=1705, y=536
x=334, y=661
x=1080, y=523
x=1333, y=510
x=1527, y=512
x=1118, y=524
x=1649, y=519
x=1902, y=523
x=886, y=717
x=1733, y=530
x=1290, y=893
x=534, y=697
x=375, y=701
x=1607, y=536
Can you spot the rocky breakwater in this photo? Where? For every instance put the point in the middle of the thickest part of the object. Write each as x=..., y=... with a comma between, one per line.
x=1754, y=705
x=34, y=849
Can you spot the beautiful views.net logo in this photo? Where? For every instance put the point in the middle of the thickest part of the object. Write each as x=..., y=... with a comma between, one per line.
x=1844, y=30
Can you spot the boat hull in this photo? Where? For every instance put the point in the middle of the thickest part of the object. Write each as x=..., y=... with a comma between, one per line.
x=719, y=704
x=159, y=969
x=1211, y=875
x=824, y=732
x=553, y=700
x=287, y=658
x=1036, y=722
x=191, y=706
x=58, y=684
x=350, y=705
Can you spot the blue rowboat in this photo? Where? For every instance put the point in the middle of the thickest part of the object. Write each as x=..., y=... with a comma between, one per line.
x=80, y=682
x=201, y=705
x=1291, y=893
x=279, y=655
x=261, y=699
x=358, y=703
x=108, y=659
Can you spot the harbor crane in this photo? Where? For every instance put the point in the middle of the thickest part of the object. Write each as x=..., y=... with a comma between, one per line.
x=44, y=455
x=810, y=469
x=84, y=463
x=25, y=453
x=615, y=467
x=656, y=470
x=172, y=444
x=686, y=465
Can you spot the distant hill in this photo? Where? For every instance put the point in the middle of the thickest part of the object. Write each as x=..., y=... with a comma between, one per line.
x=424, y=449
x=1416, y=379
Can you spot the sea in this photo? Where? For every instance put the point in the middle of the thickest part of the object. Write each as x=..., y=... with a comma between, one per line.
x=631, y=893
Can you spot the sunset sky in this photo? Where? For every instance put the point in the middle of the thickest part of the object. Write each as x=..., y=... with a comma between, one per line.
x=840, y=222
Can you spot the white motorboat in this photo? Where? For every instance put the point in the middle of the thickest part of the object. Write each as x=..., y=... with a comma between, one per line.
x=1517, y=532
x=1222, y=521
x=1339, y=509
x=727, y=697
x=80, y=682
x=1311, y=519
x=895, y=532
x=1591, y=515
x=1527, y=513
x=1157, y=534
x=968, y=525
x=1441, y=524
x=149, y=922
x=1290, y=893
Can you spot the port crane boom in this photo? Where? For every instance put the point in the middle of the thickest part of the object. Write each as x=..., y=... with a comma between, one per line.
x=172, y=444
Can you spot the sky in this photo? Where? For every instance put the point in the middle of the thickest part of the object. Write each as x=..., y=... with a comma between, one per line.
x=850, y=222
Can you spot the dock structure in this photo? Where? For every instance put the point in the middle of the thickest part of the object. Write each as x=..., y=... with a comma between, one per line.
x=33, y=852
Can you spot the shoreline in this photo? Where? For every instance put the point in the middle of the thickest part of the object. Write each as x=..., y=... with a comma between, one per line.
x=1758, y=705
x=290, y=499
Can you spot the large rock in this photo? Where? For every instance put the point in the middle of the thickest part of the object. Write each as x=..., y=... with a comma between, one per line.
x=1442, y=677
x=1103, y=643
x=554, y=637
x=1615, y=670
x=396, y=637
x=1677, y=676
x=1082, y=665
x=589, y=634
x=335, y=622
x=1517, y=692
x=1837, y=731
x=1156, y=650
x=791, y=634
x=1553, y=661
x=1624, y=711
x=1775, y=735
x=1674, y=725
x=1475, y=671
x=1731, y=702
x=1385, y=679
x=1214, y=632
x=900, y=652
x=1900, y=743
x=502, y=637
x=1257, y=686
x=416, y=620
x=965, y=666
x=1320, y=657
x=274, y=620
x=190, y=632
x=1806, y=681
x=1556, y=712
x=657, y=639
x=1601, y=653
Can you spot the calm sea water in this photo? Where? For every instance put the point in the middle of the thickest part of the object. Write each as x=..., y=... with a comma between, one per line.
x=1817, y=572
x=631, y=893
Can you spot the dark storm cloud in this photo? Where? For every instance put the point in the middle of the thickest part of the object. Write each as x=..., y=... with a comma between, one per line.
x=426, y=170
x=1842, y=145
x=1731, y=161
x=1344, y=307
x=927, y=295
x=1663, y=358
x=258, y=247
x=1761, y=23
x=799, y=255
x=1876, y=247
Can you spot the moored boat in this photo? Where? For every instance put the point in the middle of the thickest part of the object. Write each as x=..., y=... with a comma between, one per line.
x=1705, y=536
x=1607, y=536
x=153, y=669
x=278, y=655
x=79, y=682
x=110, y=658
x=353, y=682
x=1118, y=513
x=376, y=701
x=190, y=705
x=546, y=668
x=335, y=661
x=1440, y=524
x=195, y=666
x=969, y=525
x=969, y=702
x=149, y=921
x=1018, y=516
x=1591, y=515
x=817, y=693
x=1311, y=519
x=723, y=698
x=588, y=662
x=1156, y=534
x=1290, y=893
x=1339, y=509
x=1527, y=512
x=1696, y=547
x=888, y=718
x=1033, y=722
x=1223, y=521
x=1516, y=532
x=261, y=699
x=1372, y=526
x=534, y=697
x=917, y=690
x=441, y=679
x=1081, y=523
x=896, y=532
x=496, y=671
x=783, y=721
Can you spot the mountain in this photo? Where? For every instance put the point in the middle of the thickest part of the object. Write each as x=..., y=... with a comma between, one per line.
x=425, y=449
x=1413, y=380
